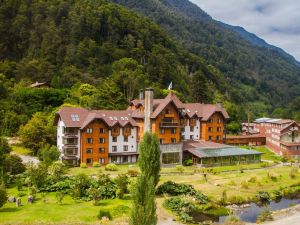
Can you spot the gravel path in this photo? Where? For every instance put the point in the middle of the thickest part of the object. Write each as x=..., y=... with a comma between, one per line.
x=27, y=158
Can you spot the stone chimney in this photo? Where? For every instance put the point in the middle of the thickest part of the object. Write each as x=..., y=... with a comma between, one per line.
x=148, y=104
x=141, y=94
x=219, y=104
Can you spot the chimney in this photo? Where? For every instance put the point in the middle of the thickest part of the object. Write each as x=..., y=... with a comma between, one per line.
x=148, y=104
x=141, y=94
x=219, y=104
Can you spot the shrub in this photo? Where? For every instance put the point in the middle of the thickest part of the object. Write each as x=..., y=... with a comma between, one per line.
x=3, y=195
x=48, y=154
x=188, y=162
x=79, y=186
x=13, y=164
x=180, y=168
x=57, y=170
x=265, y=215
x=252, y=179
x=263, y=197
x=122, y=182
x=96, y=164
x=273, y=176
x=111, y=167
x=244, y=184
x=264, y=164
x=83, y=165
x=132, y=173
x=293, y=173
x=104, y=213
x=175, y=189
x=59, y=196
x=236, y=199
x=223, y=200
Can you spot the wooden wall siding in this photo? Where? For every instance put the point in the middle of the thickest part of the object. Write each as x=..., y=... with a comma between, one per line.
x=115, y=131
x=127, y=130
x=204, y=131
x=167, y=136
x=140, y=123
x=96, y=135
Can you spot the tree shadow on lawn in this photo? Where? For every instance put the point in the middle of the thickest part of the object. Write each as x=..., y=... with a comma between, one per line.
x=10, y=209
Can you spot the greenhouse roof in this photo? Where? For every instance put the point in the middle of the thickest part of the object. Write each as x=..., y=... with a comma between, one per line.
x=219, y=152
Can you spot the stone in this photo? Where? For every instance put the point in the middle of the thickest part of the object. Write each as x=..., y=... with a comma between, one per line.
x=12, y=199
x=30, y=199
x=18, y=202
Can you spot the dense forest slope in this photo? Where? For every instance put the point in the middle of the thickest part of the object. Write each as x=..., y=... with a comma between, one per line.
x=261, y=72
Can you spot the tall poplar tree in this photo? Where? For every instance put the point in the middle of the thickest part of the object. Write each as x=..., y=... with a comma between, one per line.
x=144, y=206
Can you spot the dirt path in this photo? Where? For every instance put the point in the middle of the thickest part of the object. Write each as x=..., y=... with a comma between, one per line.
x=289, y=216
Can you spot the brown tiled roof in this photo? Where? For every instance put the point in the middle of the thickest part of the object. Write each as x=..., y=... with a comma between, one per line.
x=110, y=117
x=286, y=128
x=245, y=136
x=202, y=144
x=205, y=111
x=290, y=143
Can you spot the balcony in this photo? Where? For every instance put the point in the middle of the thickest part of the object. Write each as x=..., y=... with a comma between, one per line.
x=169, y=124
x=70, y=141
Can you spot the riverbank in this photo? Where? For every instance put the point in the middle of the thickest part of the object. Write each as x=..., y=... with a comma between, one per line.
x=288, y=216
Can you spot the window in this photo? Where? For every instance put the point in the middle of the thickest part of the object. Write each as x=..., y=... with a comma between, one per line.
x=161, y=141
x=219, y=129
x=127, y=129
x=192, y=137
x=89, y=140
x=101, y=140
x=114, y=139
x=210, y=129
x=125, y=138
x=173, y=131
x=209, y=138
x=89, y=151
x=102, y=150
x=114, y=148
x=89, y=130
x=89, y=161
x=210, y=120
x=192, y=128
x=170, y=158
x=219, y=121
x=125, y=148
x=102, y=130
x=167, y=111
x=161, y=130
x=115, y=130
x=101, y=160
x=173, y=140
x=125, y=159
x=218, y=138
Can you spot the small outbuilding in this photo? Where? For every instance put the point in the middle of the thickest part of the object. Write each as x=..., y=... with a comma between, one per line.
x=205, y=153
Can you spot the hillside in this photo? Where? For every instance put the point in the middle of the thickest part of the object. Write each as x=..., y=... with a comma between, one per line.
x=261, y=73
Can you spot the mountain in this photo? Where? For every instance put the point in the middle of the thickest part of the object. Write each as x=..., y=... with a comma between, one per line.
x=259, y=72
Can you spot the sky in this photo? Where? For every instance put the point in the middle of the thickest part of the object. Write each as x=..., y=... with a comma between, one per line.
x=275, y=21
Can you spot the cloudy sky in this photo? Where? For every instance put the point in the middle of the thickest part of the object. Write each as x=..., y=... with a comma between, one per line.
x=275, y=21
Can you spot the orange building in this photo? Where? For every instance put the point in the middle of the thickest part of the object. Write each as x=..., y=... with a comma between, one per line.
x=113, y=135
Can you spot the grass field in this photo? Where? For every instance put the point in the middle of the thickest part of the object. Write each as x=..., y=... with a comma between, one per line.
x=81, y=212
x=268, y=155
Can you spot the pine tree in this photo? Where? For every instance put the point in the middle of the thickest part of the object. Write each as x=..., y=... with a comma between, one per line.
x=149, y=158
x=144, y=206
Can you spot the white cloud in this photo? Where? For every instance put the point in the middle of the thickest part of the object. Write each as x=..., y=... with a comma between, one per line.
x=275, y=21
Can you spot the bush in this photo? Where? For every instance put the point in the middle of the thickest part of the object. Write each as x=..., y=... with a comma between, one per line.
x=48, y=154
x=252, y=179
x=244, y=184
x=294, y=173
x=122, y=182
x=59, y=197
x=263, y=197
x=3, y=195
x=57, y=170
x=83, y=165
x=104, y=213
x=180, y=207
x=180, y=168
x=188, y=162
x=132, y=173
x=265, y=215
x=96, y=164
x=175, y=189
x=273, y=176
x=111, y=167
x=264, y=164
x=13, y=165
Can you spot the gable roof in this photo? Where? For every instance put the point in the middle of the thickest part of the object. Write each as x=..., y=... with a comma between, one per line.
x=85, y=117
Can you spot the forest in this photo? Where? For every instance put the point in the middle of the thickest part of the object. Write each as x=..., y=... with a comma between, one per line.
x=98, y=54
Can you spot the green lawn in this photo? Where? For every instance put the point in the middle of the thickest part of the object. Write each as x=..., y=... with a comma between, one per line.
x=81, y=212
x=19, y=149
x=70, y=212
x=268, y=155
